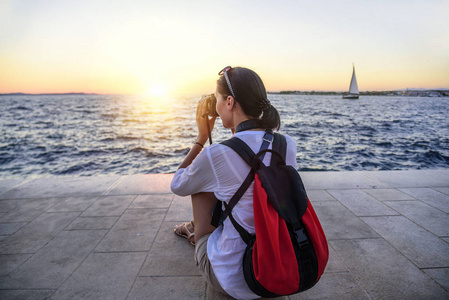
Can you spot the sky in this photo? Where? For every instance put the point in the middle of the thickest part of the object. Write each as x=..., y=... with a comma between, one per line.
x=178, y=47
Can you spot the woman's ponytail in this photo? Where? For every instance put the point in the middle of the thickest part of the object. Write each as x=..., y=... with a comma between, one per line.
x=271, y=118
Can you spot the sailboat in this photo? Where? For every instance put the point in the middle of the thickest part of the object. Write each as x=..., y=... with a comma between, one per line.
x=353, y=89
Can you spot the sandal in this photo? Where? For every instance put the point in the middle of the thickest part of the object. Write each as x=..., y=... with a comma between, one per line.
x=183, y=231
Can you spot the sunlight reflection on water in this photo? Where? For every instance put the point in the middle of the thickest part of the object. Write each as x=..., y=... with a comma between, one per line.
x=110, y=134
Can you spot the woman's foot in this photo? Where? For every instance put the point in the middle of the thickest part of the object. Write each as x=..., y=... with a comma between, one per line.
x=186, y=230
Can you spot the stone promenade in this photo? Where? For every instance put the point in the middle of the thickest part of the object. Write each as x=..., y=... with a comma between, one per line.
x=111, y=237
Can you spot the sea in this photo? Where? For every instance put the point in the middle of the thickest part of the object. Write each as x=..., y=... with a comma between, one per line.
x=85, y=135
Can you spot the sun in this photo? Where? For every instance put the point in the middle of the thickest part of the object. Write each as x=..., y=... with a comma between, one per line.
x=157, y=90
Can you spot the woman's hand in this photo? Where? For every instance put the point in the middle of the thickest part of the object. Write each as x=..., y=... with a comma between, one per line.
x=202, y=119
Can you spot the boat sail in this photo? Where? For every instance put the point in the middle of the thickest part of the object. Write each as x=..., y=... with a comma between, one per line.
x=353, y=88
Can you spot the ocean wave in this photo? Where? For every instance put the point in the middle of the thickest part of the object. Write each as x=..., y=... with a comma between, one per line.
x=104, y=134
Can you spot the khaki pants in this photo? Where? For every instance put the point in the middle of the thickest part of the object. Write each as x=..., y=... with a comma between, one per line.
x=202, y=261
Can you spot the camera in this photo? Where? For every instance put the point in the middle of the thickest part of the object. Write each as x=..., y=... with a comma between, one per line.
x=211, y=101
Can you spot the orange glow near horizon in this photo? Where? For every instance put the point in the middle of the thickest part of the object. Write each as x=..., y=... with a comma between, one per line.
x=159, y=49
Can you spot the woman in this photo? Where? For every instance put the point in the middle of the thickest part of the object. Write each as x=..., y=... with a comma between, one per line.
x=217, y=172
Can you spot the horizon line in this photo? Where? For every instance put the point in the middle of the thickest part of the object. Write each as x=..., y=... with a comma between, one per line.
x=275, y=91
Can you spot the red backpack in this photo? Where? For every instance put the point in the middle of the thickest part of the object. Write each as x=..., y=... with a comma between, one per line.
x=289, y=252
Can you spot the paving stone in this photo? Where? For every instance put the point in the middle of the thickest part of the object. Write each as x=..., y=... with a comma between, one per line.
x=440, y=275
x=425, y=215
x=134, y=231
x=412, y=240
x=388, y=194
x=170, y=255
x=212, y=294
x=361, y=204
x=334, y=286
x=103, y=276
x=7, y=184
x=92, y=223
x=55, y=262
x=362, y=263
x=430, y=196
x=384, y=272
x=109, y=206
x=152, y=201
x=35, y=235
x=340, y=223
x=11, y=228
x=319, y=195
x=9, y=262
x=335, y=264
x=73, y=204
x=143, y=184
x=444, y=190
x=338, y=180
x=25, y=294
x=61, y=187
x=180, y=209
x=188, y=287
x=8, y=205
x=410, y=178
x=29, y=209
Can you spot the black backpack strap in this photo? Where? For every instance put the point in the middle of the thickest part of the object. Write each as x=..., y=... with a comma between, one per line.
x=280, y=146
x=248, y=156
x=241, y=148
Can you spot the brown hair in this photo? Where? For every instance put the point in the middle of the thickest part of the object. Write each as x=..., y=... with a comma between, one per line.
x=250, y=93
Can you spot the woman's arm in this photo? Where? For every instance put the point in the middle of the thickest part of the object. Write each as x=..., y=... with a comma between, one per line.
x=203, y=134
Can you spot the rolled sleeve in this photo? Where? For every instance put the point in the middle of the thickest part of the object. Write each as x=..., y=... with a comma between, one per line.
x=196, y=178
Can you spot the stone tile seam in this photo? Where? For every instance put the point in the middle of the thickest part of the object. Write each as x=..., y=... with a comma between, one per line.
x=358, y=278
x=374, y=180
x=17, y=185
x=168, y=276
x=115, y=252
x=152, y=243
x=139, y=194
x=350, y=210
x=402, y=254
x=399, y=252
x=357, y=238
x=403, y=189
x=107, y=232
x=51, y=239
x=57, y=197
x=18, y=266
x=369, y=216
x=433, y=188
x=414, y=200
x=27, y=289
x=402, y=215
x=337, y=272
x=113, y=185
x=96, y=199
x=341, y=259
x=82, y=262
x=144, y=208
x=424, y=271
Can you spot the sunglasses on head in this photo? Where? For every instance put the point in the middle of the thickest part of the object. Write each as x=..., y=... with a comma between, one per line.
x=225, y=73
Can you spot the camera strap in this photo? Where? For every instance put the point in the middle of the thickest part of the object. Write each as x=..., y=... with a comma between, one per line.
x=208, y=130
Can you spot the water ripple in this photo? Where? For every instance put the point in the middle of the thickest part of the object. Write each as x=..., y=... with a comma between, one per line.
x=108, y=134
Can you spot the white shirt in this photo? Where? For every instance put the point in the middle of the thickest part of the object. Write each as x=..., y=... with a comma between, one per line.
x=220, y=170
